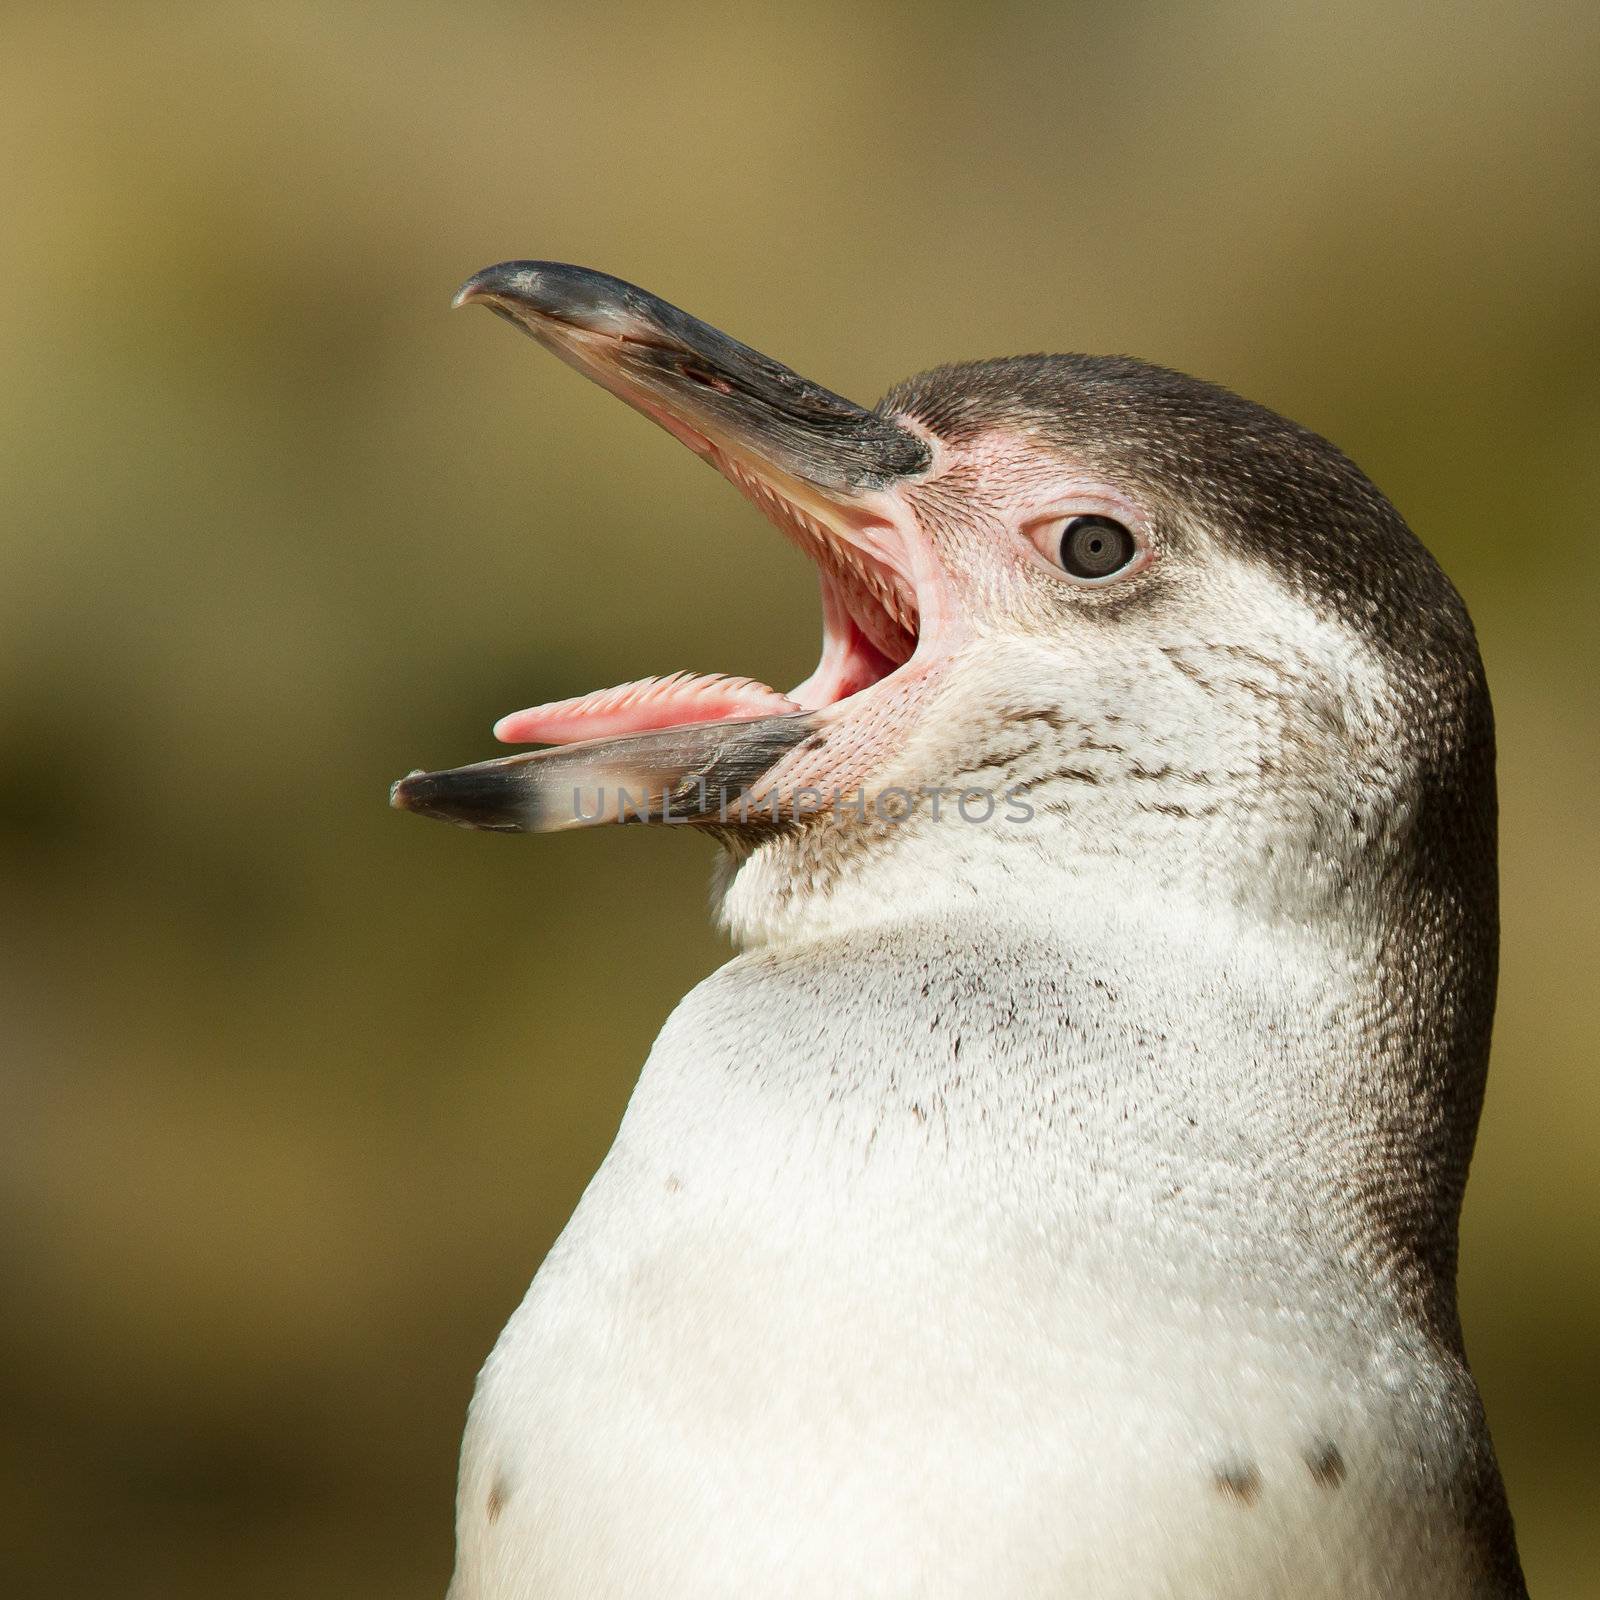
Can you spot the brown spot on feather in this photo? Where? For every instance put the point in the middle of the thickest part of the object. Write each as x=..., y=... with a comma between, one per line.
x=499, y=1493
x=1239, y=1482
x=1327, y=1465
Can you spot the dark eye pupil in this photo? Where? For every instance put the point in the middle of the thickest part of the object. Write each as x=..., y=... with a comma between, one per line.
x=1095, y=547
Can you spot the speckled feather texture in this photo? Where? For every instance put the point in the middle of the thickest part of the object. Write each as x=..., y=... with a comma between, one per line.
x=1066, y=1209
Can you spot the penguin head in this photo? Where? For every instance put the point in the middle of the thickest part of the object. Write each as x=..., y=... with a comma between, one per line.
x=1193, y=633
x=1148, y=626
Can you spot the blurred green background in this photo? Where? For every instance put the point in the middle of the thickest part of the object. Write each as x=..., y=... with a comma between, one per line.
x=297, y=1091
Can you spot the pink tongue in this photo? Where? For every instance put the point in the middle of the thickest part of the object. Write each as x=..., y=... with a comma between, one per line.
x=638, y=707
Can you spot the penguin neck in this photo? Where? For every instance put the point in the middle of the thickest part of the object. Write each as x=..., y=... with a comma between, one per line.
x=1292, y=1027
x=1153, y=879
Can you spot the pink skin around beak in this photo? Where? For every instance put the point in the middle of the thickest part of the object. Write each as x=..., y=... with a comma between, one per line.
x=707, y=748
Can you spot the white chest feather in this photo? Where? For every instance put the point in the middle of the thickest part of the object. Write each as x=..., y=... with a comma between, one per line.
x=939, y=1261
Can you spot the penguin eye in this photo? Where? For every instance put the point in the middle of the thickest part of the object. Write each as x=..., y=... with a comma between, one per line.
x=1095, y=547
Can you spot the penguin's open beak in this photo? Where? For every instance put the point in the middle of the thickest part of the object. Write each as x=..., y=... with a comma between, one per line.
x=826, y=471
x=708, y=390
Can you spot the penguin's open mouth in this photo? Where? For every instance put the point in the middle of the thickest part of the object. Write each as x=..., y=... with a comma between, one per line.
x=870, y=619
x=823, y=470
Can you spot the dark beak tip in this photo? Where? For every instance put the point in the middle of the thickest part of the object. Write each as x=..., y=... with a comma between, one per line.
x=509, y=279
x=403, y=792
x=512, y=279
x=481, y=796
x=556, y=292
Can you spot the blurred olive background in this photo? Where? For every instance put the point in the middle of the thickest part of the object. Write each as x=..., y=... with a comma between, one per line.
x=297, y=1091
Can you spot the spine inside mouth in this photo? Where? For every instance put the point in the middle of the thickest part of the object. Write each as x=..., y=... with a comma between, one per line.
x=638, y=707
x=871, y=624
x=850, y=662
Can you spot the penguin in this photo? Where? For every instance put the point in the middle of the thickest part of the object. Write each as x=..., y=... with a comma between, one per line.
x=1056, y=1197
